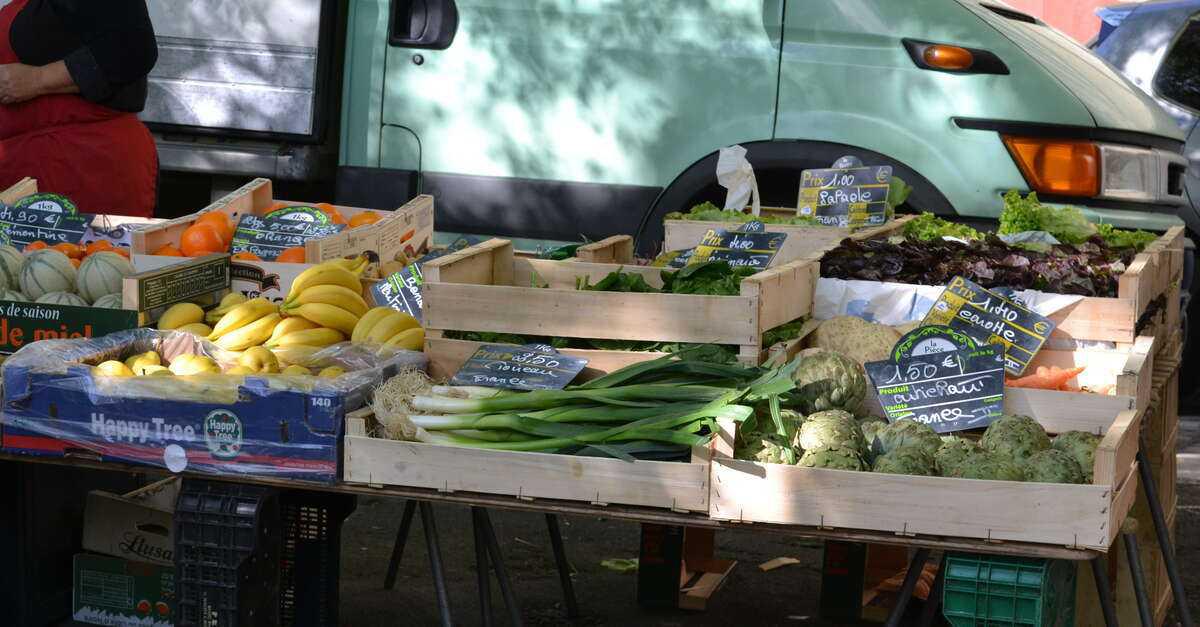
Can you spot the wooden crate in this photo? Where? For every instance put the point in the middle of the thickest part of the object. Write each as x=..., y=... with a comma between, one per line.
x=407, y=229
x=485, y=288
x=1080, y=516
x=19, y=190
x=1154, y=274
x=677, y=486
x=615, y=249
x=802, y=241
x=1130, y=371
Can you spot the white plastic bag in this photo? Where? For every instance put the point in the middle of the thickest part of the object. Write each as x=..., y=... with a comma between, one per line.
x=735, y=174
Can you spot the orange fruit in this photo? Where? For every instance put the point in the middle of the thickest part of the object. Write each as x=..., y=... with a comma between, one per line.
x=38, y=245
x=168, y=251
x=364, y=218
x=245, y=256
x=219, y=220
x=75, y=261
x=331, y=211
x=71, y=250
x=124, y=252
x=201, y=239
x=97, y=246
x=294, y=254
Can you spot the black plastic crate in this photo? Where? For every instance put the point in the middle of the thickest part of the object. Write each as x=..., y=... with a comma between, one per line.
x=311, y=559
x=228, y=542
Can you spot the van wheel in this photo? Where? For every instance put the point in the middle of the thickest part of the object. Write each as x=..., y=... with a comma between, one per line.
x=777, y=166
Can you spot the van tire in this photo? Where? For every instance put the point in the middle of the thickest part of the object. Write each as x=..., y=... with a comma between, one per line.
x=777, y=165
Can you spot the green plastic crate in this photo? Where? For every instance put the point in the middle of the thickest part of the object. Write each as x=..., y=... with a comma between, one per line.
x=990, y=591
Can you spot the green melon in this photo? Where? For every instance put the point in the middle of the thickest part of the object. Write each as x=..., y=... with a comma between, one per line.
x=62, y=298
x=111, y=301
x=11, y=261
x=47, y=271
x=101, y=274
x=13, y=295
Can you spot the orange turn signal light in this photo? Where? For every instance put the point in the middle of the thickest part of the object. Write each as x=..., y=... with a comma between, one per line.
x=1057, y=166
x=951, y=58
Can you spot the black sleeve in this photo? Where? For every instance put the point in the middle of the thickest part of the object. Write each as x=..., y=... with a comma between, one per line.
x=118, y=48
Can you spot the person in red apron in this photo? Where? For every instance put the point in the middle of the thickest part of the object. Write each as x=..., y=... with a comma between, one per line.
x=72, y=78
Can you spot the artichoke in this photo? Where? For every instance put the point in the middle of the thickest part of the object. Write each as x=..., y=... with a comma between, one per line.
x=827, y=380
x=909, y=433
x=1082, y=446
x=835, y=458
x=870, y=428
x=987, y=465
x=831, y=429
x=905, y=461
x=1053, y=466
x=766, y=448
x=1015, y=437
x=952, y=453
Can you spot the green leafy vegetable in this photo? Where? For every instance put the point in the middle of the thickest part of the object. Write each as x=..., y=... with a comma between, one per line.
x=1117, y=238
x=1067, y=224
x=712, y=278
x=928, y=226
x=708, y=212
x=617, y=281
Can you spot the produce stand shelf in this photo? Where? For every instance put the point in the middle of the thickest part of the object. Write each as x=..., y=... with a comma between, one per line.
x=615, y=512
x=486, y=288
x=802, y=240
x=1086, y=516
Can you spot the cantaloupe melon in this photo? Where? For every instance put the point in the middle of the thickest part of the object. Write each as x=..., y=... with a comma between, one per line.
x=101, y=274
x=112, y=301
x=13, y=295
x=47, y=271
x=62, y=298
x=11, y=261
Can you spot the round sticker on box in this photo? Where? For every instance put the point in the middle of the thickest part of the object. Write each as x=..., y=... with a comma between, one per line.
x=175, y=458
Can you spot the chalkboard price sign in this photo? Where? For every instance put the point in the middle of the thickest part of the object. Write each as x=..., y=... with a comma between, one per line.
x=991, y=318
x=49, y=218
x=845, y=197
x=529, y=367
x=401, y=291
x=749, y=246
x=948, y=391
x=279, y=230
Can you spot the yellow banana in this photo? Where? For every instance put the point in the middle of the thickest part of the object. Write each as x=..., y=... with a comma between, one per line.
x=213, y=316
x=396, y=322
x=368, y=322
x=180, y=314
x=242, y=315
x=355, y=264
x=319, y=337
x=290, y=325
x=329, y=316
x=323, y=274
x=350, y=300
x=409, y=340
x=252, y=334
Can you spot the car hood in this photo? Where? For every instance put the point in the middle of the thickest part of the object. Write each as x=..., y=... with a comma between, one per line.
x=1112, y=101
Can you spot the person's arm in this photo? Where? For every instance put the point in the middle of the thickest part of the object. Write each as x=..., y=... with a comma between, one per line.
x=20, y=82
x=119, y=46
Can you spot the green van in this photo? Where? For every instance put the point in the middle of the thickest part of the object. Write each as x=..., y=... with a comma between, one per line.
x=566, y=118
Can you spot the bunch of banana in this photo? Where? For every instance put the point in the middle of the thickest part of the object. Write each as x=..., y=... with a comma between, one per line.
x=328, y=296
x=231, y=300
x=389, y=328
x=248, y=324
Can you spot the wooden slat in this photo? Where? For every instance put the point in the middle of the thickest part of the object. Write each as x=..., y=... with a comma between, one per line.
x=21, y=189
x=601, y=315
x=671, y=485
x=475, y=265
x=1123, y=499
x=615, y=249
x=1135, y=377
x=561, y=275
x=802, y=241
x=248, y=199
x=1118, y=449
x=1100, y=319
x=784, y=293
x=1093, y=413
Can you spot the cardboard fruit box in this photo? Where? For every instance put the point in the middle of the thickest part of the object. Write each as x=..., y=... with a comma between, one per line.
x=1077, y=516
x=486, y=288
x=408, y=230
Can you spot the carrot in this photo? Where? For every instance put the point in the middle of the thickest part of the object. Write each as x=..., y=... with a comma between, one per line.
x=1052, y=378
